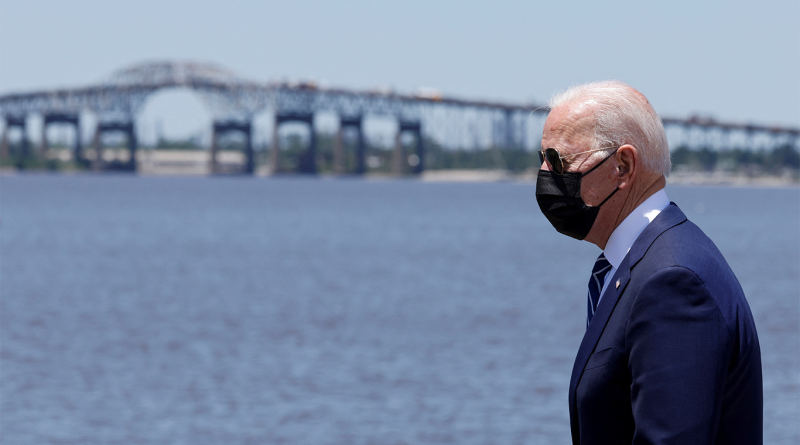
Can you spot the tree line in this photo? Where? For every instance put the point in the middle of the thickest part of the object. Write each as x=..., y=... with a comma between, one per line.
x=516, y=159
x=775, y=160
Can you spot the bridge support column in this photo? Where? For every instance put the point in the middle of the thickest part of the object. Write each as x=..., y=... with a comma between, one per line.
x=361, y=151
x=133, y=144
x=687, y=135
x=338, y=146
x=509, y=124
x=4, y=151
x=74, y=119
x=97, y=144
x=308, y=160
x=398, y=156
x=275, y=150
x=124, y=127
x=416, y=160
x=749, y=138
x=338, y=152
x=222, y=127
x=19, y=122
x=213, y=164
x=725, y=139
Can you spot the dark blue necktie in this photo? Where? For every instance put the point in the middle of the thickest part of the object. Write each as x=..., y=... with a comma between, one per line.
x=599, y=271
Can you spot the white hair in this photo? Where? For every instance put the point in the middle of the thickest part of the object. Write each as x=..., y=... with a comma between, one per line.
x=622, y=116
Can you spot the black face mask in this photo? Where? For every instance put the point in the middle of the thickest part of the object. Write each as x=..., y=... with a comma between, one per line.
x=559, y=198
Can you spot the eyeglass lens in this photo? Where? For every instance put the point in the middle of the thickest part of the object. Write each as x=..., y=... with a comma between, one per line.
x=553, y=158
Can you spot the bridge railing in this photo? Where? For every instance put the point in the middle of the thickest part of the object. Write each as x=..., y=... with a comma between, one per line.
x=235, y=101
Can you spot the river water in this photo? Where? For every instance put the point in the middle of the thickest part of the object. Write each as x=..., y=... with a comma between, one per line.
x=146, y=310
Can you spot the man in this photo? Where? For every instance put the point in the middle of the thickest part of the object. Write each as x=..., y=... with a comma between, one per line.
x=670, y=353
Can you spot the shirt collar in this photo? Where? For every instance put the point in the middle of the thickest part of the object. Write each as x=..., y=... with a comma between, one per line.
x=623, y=237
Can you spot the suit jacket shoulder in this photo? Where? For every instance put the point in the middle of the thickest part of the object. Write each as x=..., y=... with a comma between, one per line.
x=671, y=355
x=684, y=245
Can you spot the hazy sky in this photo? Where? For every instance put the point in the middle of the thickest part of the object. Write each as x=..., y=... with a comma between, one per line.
x=732, y=60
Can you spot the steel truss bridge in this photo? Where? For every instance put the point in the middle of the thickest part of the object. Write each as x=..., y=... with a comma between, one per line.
x=234, y=101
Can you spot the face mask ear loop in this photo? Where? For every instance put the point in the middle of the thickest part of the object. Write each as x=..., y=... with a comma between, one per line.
x=609, y=197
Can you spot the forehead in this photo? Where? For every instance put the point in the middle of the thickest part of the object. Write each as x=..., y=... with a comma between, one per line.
x=569, y=126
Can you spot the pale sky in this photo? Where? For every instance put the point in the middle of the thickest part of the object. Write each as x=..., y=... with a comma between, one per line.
x=733, y=61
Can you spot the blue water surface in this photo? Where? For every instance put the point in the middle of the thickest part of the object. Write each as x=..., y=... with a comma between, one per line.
x=146, y=310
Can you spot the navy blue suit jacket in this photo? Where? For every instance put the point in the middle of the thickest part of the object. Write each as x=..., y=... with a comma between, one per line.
x=671, y=355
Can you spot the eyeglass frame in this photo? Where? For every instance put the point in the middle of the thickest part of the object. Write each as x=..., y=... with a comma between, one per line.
x=559, y=169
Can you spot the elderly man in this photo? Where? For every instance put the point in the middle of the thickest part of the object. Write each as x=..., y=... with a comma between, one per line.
x=670, y=353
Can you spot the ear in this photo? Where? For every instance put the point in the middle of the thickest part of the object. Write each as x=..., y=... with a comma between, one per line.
x=627, y=158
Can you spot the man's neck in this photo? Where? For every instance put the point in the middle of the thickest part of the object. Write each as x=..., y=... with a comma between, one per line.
x=623, y=237
x=634, y=200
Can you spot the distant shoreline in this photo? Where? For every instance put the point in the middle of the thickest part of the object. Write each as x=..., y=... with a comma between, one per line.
x=716, y=178
x=721, y=178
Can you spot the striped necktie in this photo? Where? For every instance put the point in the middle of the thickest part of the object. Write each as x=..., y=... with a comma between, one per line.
x=599, y=271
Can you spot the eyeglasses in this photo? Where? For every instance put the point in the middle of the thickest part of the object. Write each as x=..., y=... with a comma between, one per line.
x=556, y=161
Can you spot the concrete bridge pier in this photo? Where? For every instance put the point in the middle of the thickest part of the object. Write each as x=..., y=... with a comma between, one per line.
x=338, y=146
x=749, y=138
x=399, y=161
x=74, y=120
x=275, y=150
x=222, y=127
x=107, y=127
x=18, y=122
x=509, y=127
x=308, y=161
x=725, y=138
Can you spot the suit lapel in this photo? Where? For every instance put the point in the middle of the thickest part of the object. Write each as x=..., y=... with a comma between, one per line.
x=668, y=218
x=596, y=327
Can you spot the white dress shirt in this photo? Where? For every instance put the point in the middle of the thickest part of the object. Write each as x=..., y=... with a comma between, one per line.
x=623, y=237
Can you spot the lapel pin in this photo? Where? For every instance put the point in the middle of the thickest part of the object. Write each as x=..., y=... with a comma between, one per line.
x=617, y=284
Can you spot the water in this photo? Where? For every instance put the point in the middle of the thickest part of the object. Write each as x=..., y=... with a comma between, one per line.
x=141, y=310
